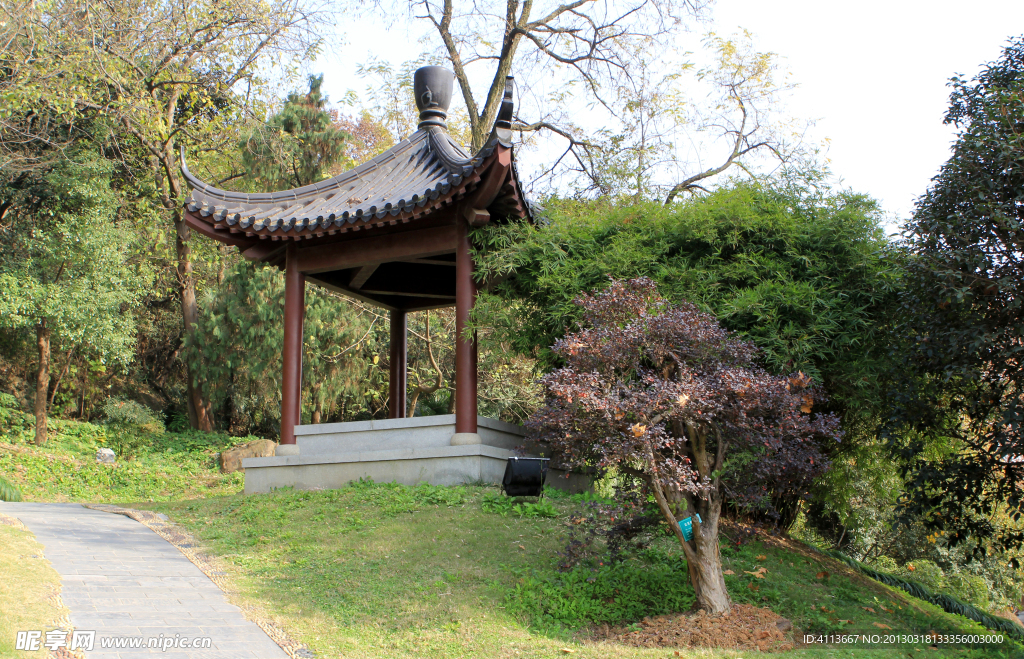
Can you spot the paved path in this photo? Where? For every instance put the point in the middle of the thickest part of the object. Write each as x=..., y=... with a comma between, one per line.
x=123, y=580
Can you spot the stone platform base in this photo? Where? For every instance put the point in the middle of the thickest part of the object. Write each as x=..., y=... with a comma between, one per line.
x=407, y=451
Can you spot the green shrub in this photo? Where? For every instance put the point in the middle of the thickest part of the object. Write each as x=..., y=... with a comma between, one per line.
x=970, y=587
x=129, y=413
x=497, y=503
x=535, y=509
x=886, y=564
x=130, y=426
x=494, y=502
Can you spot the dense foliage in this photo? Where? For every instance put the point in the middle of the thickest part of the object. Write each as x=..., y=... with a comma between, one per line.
x=66, y=267
x=957, y=410
x=237, y=346
x=803, y=272
x=662, y=393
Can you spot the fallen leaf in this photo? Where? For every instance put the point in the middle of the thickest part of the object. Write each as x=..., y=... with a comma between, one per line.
x=759, y=574
x=761, y=557
x=639, y=429
x=885, y=609
x=568, y=650
x=881, y=626
x=868, y=608
x=728, y=572
x=822, y=575
x=522, y=547
x=682, y=399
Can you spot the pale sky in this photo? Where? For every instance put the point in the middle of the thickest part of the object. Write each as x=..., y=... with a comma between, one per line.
x=871, y=74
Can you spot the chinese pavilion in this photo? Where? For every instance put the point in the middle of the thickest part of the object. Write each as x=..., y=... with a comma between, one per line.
x=393, y=232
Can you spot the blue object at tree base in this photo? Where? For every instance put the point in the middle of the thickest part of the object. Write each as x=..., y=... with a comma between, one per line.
x=686, y=526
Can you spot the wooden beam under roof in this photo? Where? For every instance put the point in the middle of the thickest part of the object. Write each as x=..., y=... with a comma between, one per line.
x=415, y=244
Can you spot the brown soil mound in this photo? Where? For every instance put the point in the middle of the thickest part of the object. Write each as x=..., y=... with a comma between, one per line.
x=746, y=627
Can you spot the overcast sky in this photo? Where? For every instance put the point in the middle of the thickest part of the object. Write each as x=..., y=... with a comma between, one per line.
x=872, y=74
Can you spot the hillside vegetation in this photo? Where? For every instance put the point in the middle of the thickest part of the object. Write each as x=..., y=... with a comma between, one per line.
x=164, y=466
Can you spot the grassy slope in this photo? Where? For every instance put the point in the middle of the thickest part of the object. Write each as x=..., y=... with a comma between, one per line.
x=175, y=466
x=386, y=571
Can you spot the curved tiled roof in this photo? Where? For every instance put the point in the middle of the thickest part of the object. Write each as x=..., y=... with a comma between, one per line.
x=404, y=180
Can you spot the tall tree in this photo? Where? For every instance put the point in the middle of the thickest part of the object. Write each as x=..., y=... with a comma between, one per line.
x=165, y=75
x=590, y=42
x=65, y=268
x=958, y=412
x=298, y=144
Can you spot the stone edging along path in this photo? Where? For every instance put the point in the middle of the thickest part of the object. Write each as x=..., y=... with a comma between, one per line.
x=184, y=542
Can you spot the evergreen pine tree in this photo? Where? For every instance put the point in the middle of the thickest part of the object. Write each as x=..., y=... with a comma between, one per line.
x=296, y=146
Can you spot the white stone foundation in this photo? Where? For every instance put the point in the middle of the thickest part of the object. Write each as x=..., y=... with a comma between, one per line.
x=408, y=451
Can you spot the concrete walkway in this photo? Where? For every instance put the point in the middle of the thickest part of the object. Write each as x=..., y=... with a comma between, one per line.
x=122, y=580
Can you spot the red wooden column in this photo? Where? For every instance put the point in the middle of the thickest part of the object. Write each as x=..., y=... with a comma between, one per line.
x=465, y=350
x=399, y=366
x=291, y=376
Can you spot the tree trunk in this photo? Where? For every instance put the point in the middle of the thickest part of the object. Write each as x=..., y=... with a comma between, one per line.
x=703, y=560
x=42, y=381
x=706, y=573
x=198, y=408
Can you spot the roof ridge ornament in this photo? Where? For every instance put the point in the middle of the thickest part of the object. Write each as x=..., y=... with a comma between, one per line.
x=508, y=106
x=432, y=86
x=502, y=130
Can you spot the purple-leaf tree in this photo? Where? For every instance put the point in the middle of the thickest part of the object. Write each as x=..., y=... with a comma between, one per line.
x=663, y=393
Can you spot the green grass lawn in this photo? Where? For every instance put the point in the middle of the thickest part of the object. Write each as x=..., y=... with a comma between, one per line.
x=390, y=571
